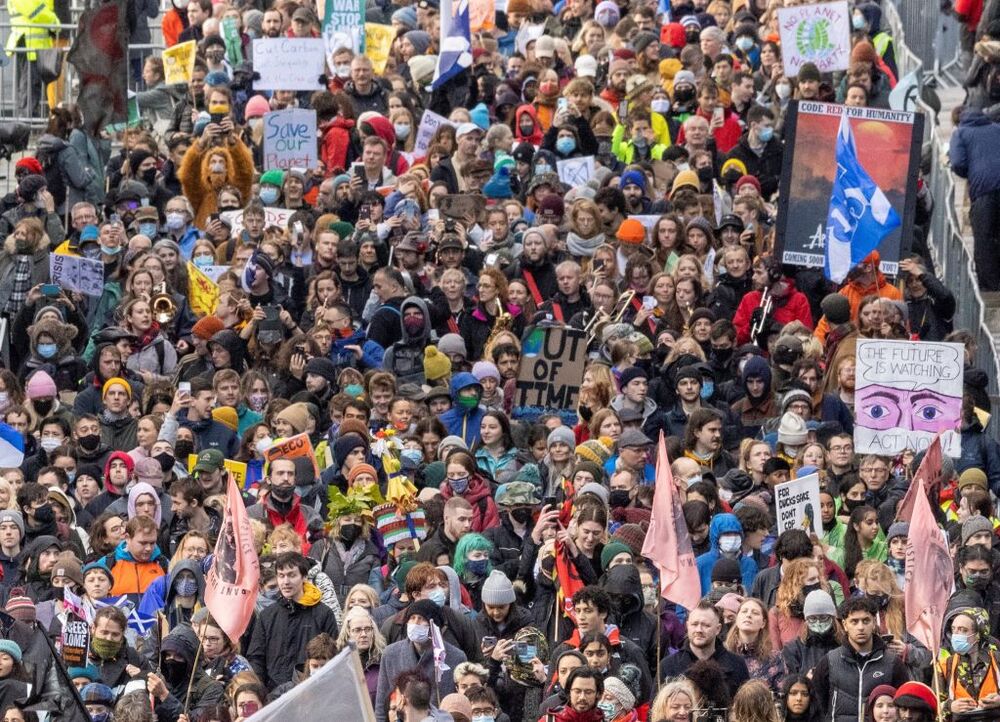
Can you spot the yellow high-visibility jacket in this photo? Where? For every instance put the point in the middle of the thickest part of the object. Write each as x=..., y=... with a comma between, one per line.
x=26, y=19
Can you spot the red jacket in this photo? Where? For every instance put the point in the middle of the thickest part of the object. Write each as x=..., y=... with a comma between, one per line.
x=795, y=308
x=336, y=138
x=484, y=510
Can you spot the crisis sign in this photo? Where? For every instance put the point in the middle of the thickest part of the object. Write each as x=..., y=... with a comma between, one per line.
x=292, y=448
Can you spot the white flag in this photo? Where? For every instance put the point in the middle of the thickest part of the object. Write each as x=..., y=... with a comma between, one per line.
x=437, y=643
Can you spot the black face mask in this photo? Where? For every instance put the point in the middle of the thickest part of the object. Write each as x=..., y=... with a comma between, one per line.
x=183, y=449
x=521, y=516
x=44, y=515
x=706, y=174
x=684, y=95
x=881, y=600
x=586, y=413
x=90, y=442
x=43, y=407
x=853, y=504
x=722, y=356
x=174, y=671
x=165, y=460
x=282, y=493
x=149, y=177
x=618, y=498
x=349, y=533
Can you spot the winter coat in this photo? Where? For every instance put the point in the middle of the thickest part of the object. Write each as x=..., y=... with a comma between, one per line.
x=159, y=357
x=384, y=326
x=843, y=679
x=971, y=153
x=802, y=657
x=458, y=420
x=794, y=306
x=980, y=451
x=766, y=167
x=931, y=316
x=279, y=638
x=132, y=577
x=723, y=524
x=52, y=223
x=405, y=358
x=8, y=263
x=376, y=99
x=485, y=514
x=402, y=656
x=335, y=140
x=510, y=693
x=623, y=584
x=77, y=175
x=211, y=434
x=120, y=433
x=362, y=567
x=112, y=671
x=195, y=692
x=734, y=669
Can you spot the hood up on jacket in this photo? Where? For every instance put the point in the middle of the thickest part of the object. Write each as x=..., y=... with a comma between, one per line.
x=461, y=381
x=623, y=584
x=133, y=497
x=231, y=342
x=185, y=565
x=125, y=459
x=723, y=524
x=421, y=305
x=756, y=367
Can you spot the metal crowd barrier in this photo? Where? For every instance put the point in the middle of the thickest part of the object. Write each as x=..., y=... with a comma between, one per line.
x=915, y=28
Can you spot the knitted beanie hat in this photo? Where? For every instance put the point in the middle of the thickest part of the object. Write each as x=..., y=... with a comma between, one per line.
x=436, y=364
x=595, y=450
x=497, y=589
x=633, y=535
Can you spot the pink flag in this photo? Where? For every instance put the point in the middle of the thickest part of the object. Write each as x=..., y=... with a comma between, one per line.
x=232, y=583
x=929, y=573
x=929, y=473
x=667, y=542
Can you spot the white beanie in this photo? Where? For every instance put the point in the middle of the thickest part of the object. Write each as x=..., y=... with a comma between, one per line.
x=498, y=590
x=620, y=691
x=792, y=430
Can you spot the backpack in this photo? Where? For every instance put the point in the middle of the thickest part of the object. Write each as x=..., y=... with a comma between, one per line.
x=54, y=179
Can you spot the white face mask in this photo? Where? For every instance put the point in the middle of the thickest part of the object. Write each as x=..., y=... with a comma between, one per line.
x=264, y=444
x=49, y=443
x=418, y=633
x=729, y=543
x=783, y=90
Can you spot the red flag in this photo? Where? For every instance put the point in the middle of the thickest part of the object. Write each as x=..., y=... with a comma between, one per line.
x=928, y=475
x=99, y=54
x=929, y=574
x=568, y=579
x=667, y=542
x=232, y=583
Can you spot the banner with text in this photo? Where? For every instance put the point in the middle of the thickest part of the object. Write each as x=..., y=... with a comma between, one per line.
x=796, y=504
x=819, y=34
x=290, y=139
x=906, y=392
x=343, y=25
x=548, y=381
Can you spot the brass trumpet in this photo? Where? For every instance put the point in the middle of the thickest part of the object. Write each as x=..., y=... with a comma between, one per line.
x=162, y=305
x=601, y=318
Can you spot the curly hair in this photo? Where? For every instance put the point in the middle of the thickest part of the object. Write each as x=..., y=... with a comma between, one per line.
x=792, y=582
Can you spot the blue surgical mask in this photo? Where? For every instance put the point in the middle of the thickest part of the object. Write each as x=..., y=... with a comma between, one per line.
x=269, y=195
x=438, y=595
x=765, y=134
x=414, y=456
x=961, y=643
x=530, y=652
x=707, y=389
x=542, y=168
x=566, y=145
x=71, y=475
x=609, y=709
x=109, y=251
x=858, y=21
x=402, y=130
x=149, y=229
x=354, y=390
x=47, y=350
x=484, y=718
x=418, y=633
x=477, y=566
x=203, y=262
x=744, y=43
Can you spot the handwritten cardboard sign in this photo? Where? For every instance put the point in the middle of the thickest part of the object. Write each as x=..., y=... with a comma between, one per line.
x=290, y=139
x=288, y=63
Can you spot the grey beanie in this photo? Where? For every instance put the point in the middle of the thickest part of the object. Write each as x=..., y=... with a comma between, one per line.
x=818, y=602
x=794, y=395
x=498, y=590
x=14, y=516
x=974, y=525
x=836, y=307
x=898, y=528
x=452, y=343
x=563, y=434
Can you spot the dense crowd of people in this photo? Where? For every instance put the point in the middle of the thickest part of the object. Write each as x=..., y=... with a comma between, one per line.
x=383, y=318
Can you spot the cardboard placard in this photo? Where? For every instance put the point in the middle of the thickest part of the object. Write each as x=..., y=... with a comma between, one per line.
x=75, y=273
x=576, y=171
x=290, y=139
x=343, y=25
x=429, y=123
x=237, y=469
x=178, y=62
x=797, y=505
x=551, y=371
x=905, y=393
x=272, y=217
x=378, y=43
x=75, y=642
x=292, y=448
x=461, y=205
x=288, y=63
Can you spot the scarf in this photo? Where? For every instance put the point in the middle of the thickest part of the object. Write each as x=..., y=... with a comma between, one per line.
x=581, y=247
x=149, y=336
x=295, y=517
x=20, y=286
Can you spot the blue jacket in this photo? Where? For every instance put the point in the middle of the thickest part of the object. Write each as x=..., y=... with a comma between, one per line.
x=723, y=524
x=973, y=153
x=211, y=434
x=460, y=421
x=371, y=352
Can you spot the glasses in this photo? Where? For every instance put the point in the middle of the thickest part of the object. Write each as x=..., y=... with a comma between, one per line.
x=845, y=447
x=362, y=630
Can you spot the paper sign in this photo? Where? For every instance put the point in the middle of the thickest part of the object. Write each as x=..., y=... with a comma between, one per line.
x=429, y=123
x=343, y=25
x=819, y=34
x=576, y=171
x=482, y=15
x=75, y=643
x=905, y=393
x=272, y=217
x=526, y=34
x=74, y=273
x=234, y=43
x=906, y=94
x=292, y=448
x=178, y=63
x=288, y=63
x=551, y=371
x=797, y=505
x=238, y=469
x=462, y=205
x=378, y=43
x=290, y=139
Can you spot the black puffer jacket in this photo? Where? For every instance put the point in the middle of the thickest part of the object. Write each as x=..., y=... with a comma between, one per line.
x=843, y=679
x=623, y=584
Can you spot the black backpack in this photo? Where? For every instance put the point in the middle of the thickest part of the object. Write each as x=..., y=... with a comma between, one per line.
x=55, y=182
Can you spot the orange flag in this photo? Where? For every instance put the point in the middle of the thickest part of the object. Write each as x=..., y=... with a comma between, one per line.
x=929, y=573
x=667, y=542
x=233, y=579
x=928, y=475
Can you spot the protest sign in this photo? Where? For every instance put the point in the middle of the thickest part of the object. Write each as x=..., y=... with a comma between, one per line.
x=892, y=137
x=75, y=642
x=290, y=139
x=819, y=34
x=797, y=505
x=178, y=63
x=906, y=392
x=429, y=123
x=527, y=33
x=906, y=94
x=237, y=469
x=75, y=273
x=576, y=171
x=272, y=217
x=548, y=380
x=233, y=41
x=378, y=43
x=203, y=292
x=462, y=205
x=343, y=25
x=482, y=15
x=288, y=63
x=292, y=448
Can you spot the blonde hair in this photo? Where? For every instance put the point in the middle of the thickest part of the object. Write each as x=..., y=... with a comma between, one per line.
x=670, y=689
x=753, y=702
x=378, y=641
x=880, y=579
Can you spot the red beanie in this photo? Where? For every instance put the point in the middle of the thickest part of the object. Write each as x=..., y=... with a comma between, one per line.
x=29, y=164
x=916, y=695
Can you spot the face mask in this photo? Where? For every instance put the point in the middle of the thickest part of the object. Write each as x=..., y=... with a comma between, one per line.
x=89, y=442
x=527, y=129
x=186, y=587
x=618, y=498
x=706, y=174
x=766, y=134
x=649, y=597
x=683, y=95
x=413, y=325
x=809, y=588
x=343, y=70
x=101, y=717
x=105, y=648
x=174, y=671
x=264, y=444
x=283, y=493
x=418, y=633
x=203, y=261
x=730, y=543
x=477, y=567
x=354, y=390
x=438, y=596
x=549, y=87
x=44, y=514
x=71, y=475
x=530, y=652
x=257, y=403
x=961, y=643
x=47, y=350
x=148, y=229
x=43, y=407
x=819, y=626
x=269, y=196
x=183, y=449
x=459, y=486
x=149, y=177
x=175, y=221
x=881, y=600
x=660, y=105
x=640, y=142
x=468, y=402
x=858, y=22
x=542, y=168
x=165, y=460
x=350, y=532
x=109, y=251
x=566, y=145
x=402, y=130
x=783, y=91
x=744, y=43
x=977, y=581
x=707, y=389
x=521, y=516
x=484, y=718
x=413, y=456
x=49, y=443
x=853, y=504
x=609, y=709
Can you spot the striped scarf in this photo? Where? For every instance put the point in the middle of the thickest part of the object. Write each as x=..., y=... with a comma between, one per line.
x=21, y=286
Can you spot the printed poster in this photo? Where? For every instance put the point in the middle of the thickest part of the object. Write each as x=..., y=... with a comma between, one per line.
x=819, y=34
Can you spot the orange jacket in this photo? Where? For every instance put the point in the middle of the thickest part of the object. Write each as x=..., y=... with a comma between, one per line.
x=132, y=577
x=956, y=690
x=172, y=27
x=854, y=293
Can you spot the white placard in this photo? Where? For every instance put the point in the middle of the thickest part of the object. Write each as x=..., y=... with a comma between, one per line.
x=289, y=63
x=272, y=217
x=75, y=273
x=429, y=123
x=819, y=34
x=796, y=505
x=576, y=171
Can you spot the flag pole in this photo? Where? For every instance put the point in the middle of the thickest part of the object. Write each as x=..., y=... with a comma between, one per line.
x=937, y=685
x=194, y=671
x=659, y=630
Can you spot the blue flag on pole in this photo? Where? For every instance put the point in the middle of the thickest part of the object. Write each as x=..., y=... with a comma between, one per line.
x=860, y=215
x=456, y=48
